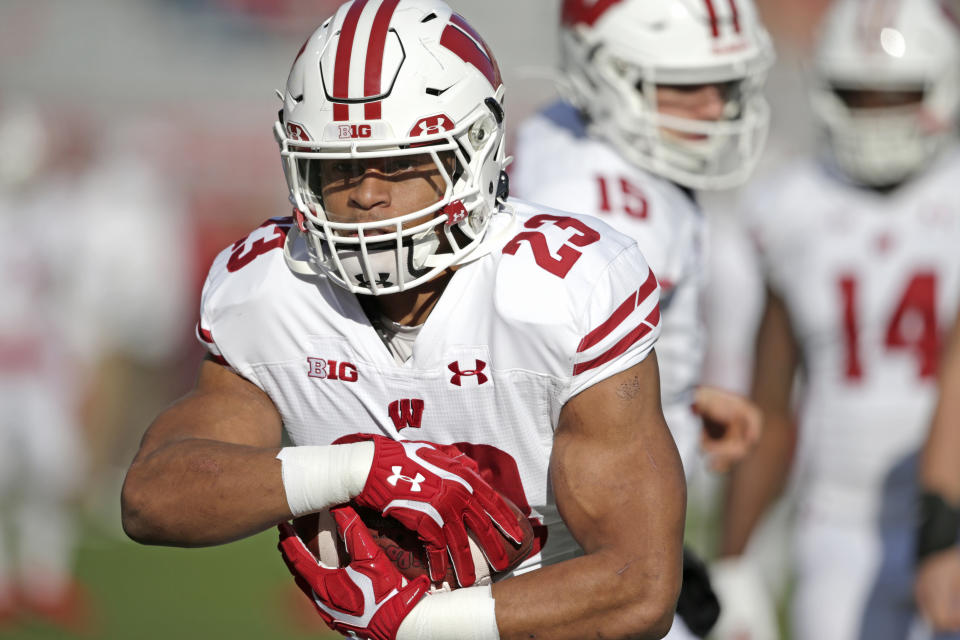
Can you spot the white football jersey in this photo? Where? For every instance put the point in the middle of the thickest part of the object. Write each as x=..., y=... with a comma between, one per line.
x=559, y=165
x=871, y=284
x=560, y=303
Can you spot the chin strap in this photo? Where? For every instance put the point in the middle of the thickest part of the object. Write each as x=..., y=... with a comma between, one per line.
x=296, y=263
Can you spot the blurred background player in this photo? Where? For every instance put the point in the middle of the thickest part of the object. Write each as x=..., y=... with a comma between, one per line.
x=937, y=587
x=661, y=98
x=858, y=251
x=92, y=282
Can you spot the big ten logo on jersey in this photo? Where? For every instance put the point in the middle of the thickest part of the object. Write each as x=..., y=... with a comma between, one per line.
x=326, y=369
x=620, y=195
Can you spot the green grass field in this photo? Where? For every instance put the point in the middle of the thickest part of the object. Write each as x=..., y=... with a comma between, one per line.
x=238, y=591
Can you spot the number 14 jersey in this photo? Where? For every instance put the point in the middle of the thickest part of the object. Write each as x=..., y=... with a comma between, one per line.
x=871, y=283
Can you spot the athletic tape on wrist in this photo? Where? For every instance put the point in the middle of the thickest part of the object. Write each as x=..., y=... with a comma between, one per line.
x=315, y=478
x=461, y=614
x=939, y=525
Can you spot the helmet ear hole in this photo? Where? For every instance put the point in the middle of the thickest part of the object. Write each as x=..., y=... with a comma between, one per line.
x=503, y=186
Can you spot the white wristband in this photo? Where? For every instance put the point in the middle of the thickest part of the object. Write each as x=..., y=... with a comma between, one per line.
x=315, y=478
x=461, y=614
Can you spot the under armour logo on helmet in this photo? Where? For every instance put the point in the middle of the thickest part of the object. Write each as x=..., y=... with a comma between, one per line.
x=397, y=477
x=476, y=371
x=431, y=126
x=381, y=280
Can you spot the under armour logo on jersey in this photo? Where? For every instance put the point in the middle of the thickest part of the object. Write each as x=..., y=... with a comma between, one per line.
x=406, y=413
x=477, y=371
x=397, y=477
x=382, y=280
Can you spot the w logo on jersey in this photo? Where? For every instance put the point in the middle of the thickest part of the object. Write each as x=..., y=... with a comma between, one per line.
x=459, y=373
x=406, y=413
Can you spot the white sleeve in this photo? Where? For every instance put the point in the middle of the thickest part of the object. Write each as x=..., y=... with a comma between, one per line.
x=621, y=322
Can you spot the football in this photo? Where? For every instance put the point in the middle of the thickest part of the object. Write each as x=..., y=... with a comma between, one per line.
x=402, y=546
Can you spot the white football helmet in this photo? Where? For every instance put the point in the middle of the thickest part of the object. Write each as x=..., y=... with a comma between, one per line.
x=887, y=45
x=392, y=79
x=616, y=52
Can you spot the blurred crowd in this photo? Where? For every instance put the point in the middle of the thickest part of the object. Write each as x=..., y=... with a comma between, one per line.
x=136, y=147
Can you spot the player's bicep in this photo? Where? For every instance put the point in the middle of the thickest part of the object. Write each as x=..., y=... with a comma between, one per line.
x=616, y=473
x=222, y=406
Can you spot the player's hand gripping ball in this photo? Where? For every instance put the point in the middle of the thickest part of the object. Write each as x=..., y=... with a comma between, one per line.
x=437, y=492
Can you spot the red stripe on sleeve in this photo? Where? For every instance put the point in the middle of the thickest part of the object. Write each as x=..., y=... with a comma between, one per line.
x=736, y=15
x=619, y=315
x=374, y=64
x=621, y=347
x=341, y=68
x=713, y=18
x=468, y=51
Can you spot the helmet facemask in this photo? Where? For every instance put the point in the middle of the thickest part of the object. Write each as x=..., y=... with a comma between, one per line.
x=387, y=256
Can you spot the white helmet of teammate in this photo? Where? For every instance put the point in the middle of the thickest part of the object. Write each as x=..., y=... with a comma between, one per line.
x=615, y=54
x=391, y=79
x=888, y=46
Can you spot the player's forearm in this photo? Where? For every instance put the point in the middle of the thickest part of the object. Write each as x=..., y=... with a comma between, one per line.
x=755, y=483
x=202, y=492
x=605, y=594
x=938, y=467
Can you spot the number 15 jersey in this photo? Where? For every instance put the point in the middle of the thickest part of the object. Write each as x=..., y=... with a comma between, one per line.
x=560, y=303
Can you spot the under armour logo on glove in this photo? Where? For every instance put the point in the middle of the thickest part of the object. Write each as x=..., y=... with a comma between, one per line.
x=397, y=477
x=366, y=599
x=442, y=494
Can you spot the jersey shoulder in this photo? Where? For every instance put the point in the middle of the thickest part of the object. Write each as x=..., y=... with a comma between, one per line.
x=579, y=287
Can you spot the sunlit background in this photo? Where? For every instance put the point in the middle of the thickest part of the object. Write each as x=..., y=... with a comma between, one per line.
x=146, y=125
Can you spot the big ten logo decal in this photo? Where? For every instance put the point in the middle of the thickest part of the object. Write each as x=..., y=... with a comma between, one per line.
x=349, y=131
x=407, y=412
x=460, y=373
x=431, y=126
x=332, y=370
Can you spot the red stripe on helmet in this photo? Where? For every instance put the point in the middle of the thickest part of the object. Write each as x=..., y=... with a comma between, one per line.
x=581, y=12
x=471, y=50
x=375, y=48
x=341, y=69
x=714, y=27
x=735, y=15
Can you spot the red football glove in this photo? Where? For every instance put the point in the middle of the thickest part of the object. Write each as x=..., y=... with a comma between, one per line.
x=437, y=491
x=368, y=598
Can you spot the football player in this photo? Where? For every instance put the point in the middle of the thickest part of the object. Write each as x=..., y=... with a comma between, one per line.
x=859, y=253
x=410, y=300
x=937, y=587
x=661, y=98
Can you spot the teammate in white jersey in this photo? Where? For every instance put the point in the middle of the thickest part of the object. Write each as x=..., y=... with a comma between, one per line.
x=859, y=253
x=661, y=98
x=937, y=587
x=408, y=298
